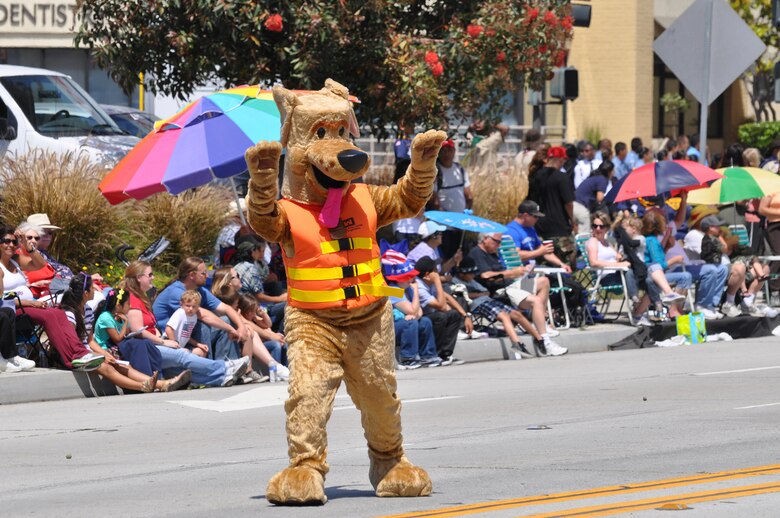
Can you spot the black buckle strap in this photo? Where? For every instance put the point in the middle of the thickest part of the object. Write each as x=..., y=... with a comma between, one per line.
x=351, y=292
x=345, y=243
x=348, y=271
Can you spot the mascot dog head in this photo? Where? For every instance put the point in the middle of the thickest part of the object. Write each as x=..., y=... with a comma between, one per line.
x=321, y=161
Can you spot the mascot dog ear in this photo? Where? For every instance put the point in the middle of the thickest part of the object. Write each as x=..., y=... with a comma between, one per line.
x=286, y=101
x=341, y=91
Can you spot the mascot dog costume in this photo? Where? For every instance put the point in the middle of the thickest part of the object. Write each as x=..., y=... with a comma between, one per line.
x=339, y=322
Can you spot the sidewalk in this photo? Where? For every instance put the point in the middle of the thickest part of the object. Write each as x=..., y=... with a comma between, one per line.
x=52, y=385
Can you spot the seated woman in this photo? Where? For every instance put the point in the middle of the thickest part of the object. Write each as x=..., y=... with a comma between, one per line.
x=13, y=267
x=37, y=280
x=205, y=372
x=654, y=229
x=80, y=315
x=267, y=345
x=10, y=361
x=601, y=254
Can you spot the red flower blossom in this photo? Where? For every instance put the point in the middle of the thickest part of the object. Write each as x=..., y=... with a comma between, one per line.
x=474, y=30
x=437, y=69
x=532, y=14
x=567, y=23
x=274, y=23
x=490, y=33
x=560, y=58
x=431, y=58
x=550, y=18
x=543, y=49
x=501, y=56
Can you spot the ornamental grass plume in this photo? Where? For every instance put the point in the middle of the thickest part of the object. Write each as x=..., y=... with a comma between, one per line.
x=63, y=186
x=497, y=195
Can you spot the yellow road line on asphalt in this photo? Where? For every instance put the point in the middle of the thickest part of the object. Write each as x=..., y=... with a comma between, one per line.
x=652, y=503
x=498, y=505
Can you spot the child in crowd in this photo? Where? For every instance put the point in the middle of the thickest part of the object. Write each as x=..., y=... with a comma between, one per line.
x=267, y=345
x=111, y=335
x=655, y=230
x=182, y=322
x=413, y=331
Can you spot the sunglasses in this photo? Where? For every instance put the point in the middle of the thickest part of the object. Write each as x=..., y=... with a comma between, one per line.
x=595, y=226
x=33, y=238
x=494, y=239
x=7, y=241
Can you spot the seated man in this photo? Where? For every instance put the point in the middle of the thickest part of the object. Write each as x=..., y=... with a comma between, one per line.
x=431, y=234
x=192, y=276
x=529, y=245
x=712, y=277
x=492, y=273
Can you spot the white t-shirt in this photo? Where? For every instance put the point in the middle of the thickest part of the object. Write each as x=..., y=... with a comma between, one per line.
x=16, y=282
x=182, y=326
x=692, y=243
x=583, y=169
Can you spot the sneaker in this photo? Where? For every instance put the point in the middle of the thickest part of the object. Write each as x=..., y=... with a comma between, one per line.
x=520, y=351
x=429, y=363
x=747, y=301
x=254, y=377
x=553, y=332
x=235, y=369
x=463, y=336
x=9, y=366
x=553, y=349
x=731, y=310
x=408, y=365
x=282, y=372
x=642, y=321
x=709, y=313
x=672, y=298
x=539, y=347
x=88, y=362
x=767, y=310
x=455, y=361
x=23, y=363
x=476, y=335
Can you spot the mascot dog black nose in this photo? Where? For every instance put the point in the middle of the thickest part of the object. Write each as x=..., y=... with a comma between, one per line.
x=352, y=160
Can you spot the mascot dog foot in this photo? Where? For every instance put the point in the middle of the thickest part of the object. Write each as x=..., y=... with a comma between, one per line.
x=300, y=485
x=399, y=477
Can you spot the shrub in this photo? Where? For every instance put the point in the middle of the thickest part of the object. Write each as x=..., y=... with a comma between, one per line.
x=759, y=134
x=65, y=188
x=191, y=221
x=496, y=196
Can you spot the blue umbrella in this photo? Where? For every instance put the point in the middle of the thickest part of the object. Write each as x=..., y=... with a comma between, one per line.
x=464, y=221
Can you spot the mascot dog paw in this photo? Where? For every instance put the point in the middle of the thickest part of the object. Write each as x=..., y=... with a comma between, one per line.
x=338, y=319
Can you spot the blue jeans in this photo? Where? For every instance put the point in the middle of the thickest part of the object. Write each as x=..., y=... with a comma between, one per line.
x=613, y=279
x=416, y=338
x=712, y=279
x=275, y=349
x=204, y=371
x=680, y=280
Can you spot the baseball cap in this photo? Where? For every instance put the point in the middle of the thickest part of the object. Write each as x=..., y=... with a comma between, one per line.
x=556, y=152
x=467, y=265
x=448, y=143
x=530, y=207
x=428, y=228
x=425, y=265
x=711, y=221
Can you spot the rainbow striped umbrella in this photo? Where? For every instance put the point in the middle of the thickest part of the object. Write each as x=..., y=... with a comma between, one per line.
x=206, y=139
x=659, y=178
x=739, y=183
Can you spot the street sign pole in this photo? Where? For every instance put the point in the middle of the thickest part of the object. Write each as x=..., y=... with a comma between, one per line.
x=705, y=101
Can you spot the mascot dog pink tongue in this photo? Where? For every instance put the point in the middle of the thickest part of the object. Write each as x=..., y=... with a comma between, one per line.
x=338, y=320
x=329, y=215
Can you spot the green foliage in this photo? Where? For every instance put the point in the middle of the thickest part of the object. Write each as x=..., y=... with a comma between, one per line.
x=674, y=102
x=377, y=48
x=758, y=15
x=759, y=134
x=593, y=134
x=65, y=188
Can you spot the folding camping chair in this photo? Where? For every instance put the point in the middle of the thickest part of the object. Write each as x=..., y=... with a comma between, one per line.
x=599, y=292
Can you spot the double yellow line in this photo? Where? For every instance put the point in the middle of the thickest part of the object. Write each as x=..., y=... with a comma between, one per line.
x=621, y=507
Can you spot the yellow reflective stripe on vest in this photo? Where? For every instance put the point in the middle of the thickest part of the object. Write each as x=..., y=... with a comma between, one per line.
x=347, y=243
x=345, y=293
x=335, y=272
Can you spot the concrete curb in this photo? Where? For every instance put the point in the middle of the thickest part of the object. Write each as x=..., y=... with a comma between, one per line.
x=53, y=385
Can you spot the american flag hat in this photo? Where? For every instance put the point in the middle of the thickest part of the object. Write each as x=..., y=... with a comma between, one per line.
x=396, y=267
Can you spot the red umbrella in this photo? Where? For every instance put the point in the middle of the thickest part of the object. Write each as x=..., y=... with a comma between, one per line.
x=661, y=177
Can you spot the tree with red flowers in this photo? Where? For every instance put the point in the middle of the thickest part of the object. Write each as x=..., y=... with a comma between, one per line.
x=420, y=61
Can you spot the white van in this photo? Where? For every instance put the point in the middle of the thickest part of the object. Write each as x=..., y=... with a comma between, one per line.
x=42, y=109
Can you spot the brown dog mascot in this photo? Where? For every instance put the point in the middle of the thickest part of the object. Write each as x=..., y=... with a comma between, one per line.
x=339, y=322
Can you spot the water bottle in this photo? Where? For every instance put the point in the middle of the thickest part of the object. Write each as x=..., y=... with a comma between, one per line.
x=272, y=373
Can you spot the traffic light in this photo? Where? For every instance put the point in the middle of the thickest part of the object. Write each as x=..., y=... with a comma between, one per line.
x=776, y=96
x=565, y=83
x=581, y=14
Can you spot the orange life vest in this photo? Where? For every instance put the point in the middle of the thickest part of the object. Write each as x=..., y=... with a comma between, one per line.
x=335, y=268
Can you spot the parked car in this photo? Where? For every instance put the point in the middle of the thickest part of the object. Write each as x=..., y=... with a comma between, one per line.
x=132, y=120
x=43, y=109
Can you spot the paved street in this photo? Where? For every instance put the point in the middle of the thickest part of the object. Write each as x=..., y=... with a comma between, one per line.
x=498, y=434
